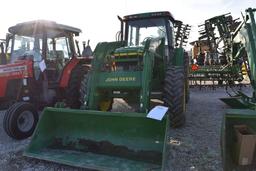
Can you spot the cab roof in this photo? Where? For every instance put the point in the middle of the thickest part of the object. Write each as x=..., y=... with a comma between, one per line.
x=158, y=14
x=40, y=26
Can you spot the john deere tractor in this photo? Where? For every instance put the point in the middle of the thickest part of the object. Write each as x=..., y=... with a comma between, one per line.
x=143, y=68
x=43, y=68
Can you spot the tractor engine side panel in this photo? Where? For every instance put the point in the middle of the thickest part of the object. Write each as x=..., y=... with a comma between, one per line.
x=19, y=70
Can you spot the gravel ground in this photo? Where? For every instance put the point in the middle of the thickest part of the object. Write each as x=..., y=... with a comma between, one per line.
x=193, y=147
x=196, y=146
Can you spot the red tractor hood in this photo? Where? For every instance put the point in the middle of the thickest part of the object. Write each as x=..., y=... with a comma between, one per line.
x=18, y=70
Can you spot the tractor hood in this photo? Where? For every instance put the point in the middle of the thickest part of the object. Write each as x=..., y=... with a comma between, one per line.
x=19, y=70
x=129, y=50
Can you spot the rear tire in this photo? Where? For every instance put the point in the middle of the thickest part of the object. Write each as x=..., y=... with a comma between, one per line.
x=83, y=89
x=174, y=95
x=20, y=120
x=74, y=85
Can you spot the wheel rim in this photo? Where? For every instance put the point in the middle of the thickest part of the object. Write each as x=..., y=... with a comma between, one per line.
x=25, y=121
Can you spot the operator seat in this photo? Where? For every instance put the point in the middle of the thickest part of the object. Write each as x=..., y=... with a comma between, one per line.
x=54, y=66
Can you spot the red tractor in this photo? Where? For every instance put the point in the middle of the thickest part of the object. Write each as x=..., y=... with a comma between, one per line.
x=43, y=68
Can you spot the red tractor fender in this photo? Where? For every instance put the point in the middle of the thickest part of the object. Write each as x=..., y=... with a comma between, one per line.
x=66, y=73
x=19, y=70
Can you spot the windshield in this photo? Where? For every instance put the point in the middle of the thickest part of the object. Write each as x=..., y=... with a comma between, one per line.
x=58, y=48
x=23, y=45
x=33, y=46
x=140, y=30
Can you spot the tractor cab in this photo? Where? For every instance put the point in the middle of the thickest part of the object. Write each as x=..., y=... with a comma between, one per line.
x=46, y=43
x=140, y=27
x=145, y=25
x=136, y=30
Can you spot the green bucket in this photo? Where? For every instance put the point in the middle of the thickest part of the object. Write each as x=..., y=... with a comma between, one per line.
x=229, y=140
x=100, y=140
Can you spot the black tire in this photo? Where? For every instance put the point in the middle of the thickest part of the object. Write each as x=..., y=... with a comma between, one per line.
x=83, y=89
x=6, y=104
x=73, y=89
x=20, y=120
x=174, y=95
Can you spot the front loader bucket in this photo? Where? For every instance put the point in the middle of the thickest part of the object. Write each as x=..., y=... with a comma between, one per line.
x=229, y=140
x=100, y=140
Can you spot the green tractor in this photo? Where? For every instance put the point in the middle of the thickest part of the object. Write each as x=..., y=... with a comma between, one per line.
x=144, y=68
x=243, y=116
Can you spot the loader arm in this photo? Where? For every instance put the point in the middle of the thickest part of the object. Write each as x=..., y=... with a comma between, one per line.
x=243, y=46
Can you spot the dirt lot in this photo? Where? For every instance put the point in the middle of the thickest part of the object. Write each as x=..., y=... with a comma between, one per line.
x=194, y=147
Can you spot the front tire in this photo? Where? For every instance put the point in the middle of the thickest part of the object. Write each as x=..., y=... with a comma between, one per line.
x=174, y=95
x=20, y=120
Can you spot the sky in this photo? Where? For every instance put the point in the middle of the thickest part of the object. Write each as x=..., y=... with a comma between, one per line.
x=98, y=18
